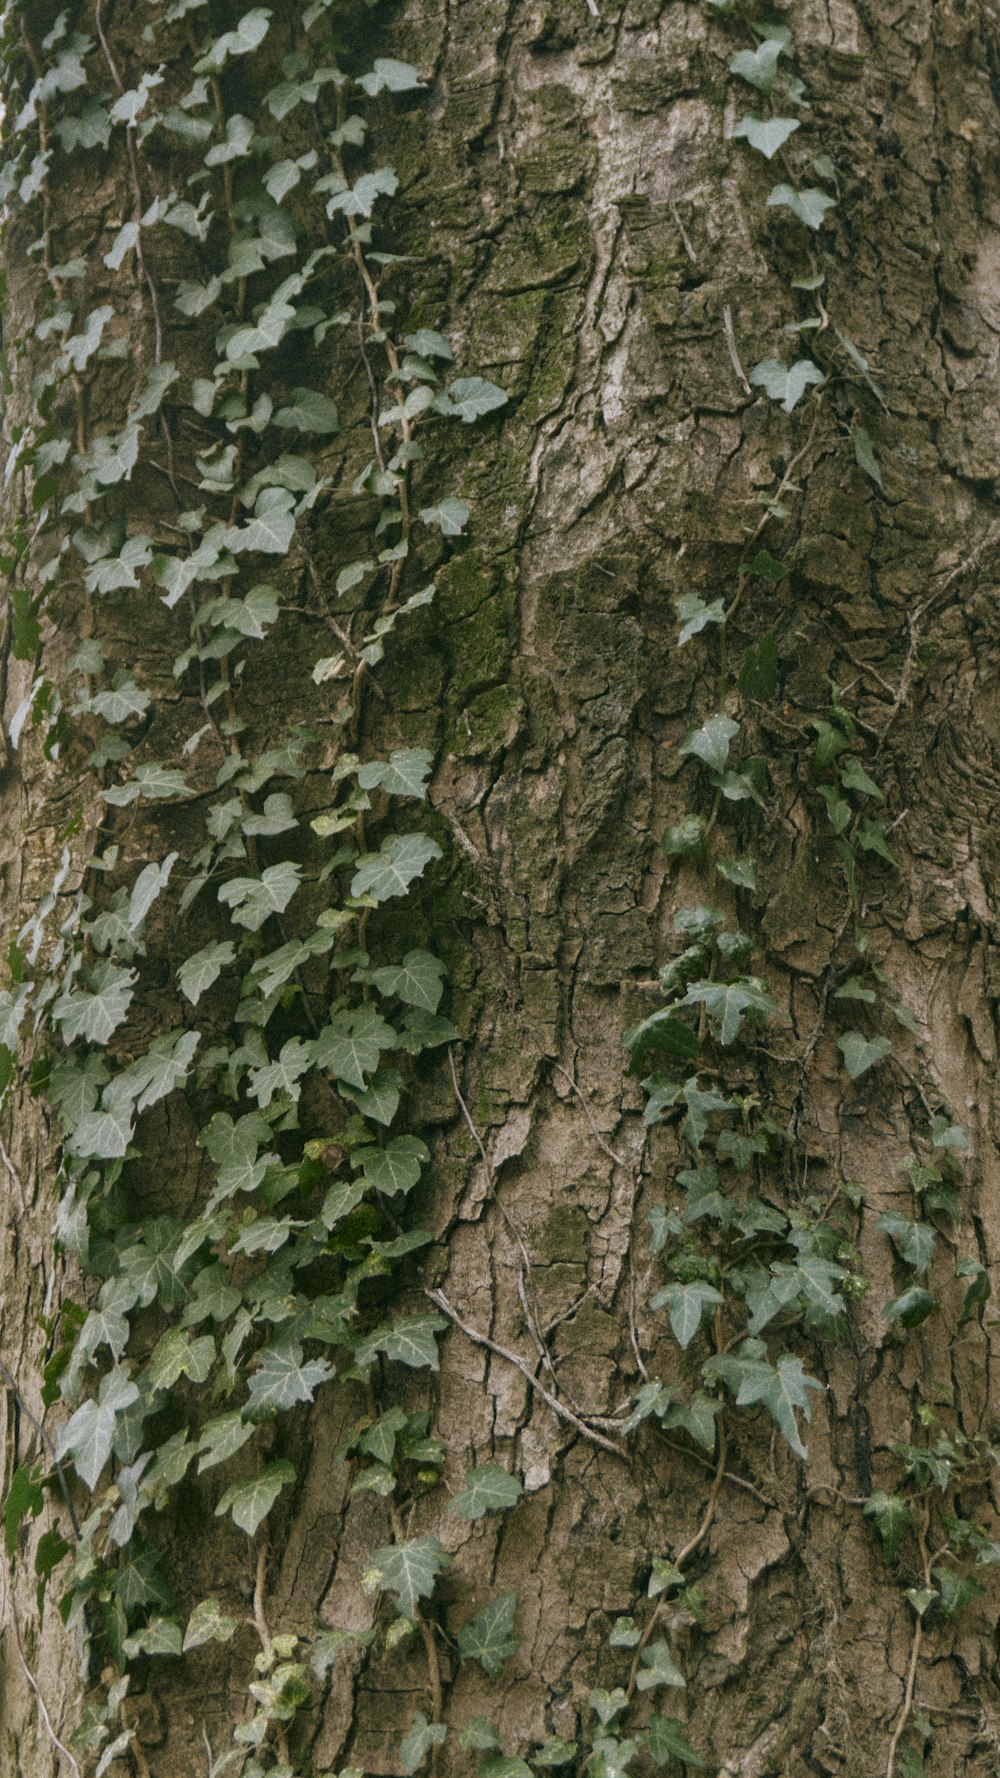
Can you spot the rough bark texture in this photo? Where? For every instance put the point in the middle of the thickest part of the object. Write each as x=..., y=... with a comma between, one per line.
x=580, y=227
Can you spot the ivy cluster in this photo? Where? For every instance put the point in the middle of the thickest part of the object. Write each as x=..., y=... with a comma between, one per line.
x=759, y=1269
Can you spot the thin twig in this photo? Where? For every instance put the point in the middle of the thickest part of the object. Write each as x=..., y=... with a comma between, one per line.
x=683, y=1556
x=588, y=1114
x=918, y=1636
x=14, y=1175
x=43, y=1712
x=681, y=230
x=914, y=621
x=8, y=1378
x=734, y=357
x=514, y=1358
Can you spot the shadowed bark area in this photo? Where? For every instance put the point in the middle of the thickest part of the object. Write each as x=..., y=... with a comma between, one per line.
x=577, y=223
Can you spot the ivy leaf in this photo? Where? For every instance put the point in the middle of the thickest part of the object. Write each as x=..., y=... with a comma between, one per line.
x=780, y=1388
x=487, y=1489
x=759, y=66
x=607, y=1705
x=417, y=980
x=390, y=76
x=786, y=386
x=710, y=743
x=659, y=1668
x=422, y=1736
x=271, y=529
x=282, y=1378
x=411, y=1341
x=759, y=672
x=695, y=615
x=911, y=1308
x=254, y=899
x=767, y=136
x=956, y=1590
x=24, y=1496
x=405, y=773
x=391, y=870
x=394, y=1168
x=450, y=515
x=208, y=1624
x=687, y=1304
x=221, y=1438
x=666, y=1740
x=914, y=1241
x=308, y=411
x=197, y=975
x=489, y=1637
x=96, y=1012
x=729, y=1003
x=148, y=886
x=251, y=1501
x=470, y=398
x=810, y=206
x=248, y=36
x=861, y=1053
x=89, y=1434
x=351, y=1044
x=864, y=454
x=479, y=1736
x=176, y=1355
x=157, y=1638
x=892, y=1516
x=409, y=1570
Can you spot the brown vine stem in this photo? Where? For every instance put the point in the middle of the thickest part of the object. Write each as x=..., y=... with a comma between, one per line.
x=430, y=1647
x=911, y=1674
x=558, y=1407
x=42, y=1710
x=683, y=1555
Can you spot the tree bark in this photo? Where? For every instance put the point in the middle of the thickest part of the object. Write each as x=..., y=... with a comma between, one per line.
x=579, y=223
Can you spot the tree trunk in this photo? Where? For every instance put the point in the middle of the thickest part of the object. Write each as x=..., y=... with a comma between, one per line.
x=669, y=535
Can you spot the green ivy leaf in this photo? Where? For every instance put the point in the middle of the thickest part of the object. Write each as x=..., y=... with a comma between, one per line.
x=96, y=1012
x=417, y=1744
x=470, y=398
x=405, y=773
x=810, y=206
x=409, y=1570
x=250, y=1501
x=658, y=1668
x=208, y=1623
x=710, y=743
x=394, y=1168
x=198, y=974
x=911, y=1308
x=390, y=76
x=391, y=870
x=160, y=1637
x=88, y=1435
x=687, y=1305
x=283, y=1377
x=728, y=1004
x=914, y=1241
x=784, y=385
x=248, y=36
x=487, y=1489
x=766, y=135
x=417, y=980
x=309, y=412
x=254, y=899
x=759, y=66
x=892, y=1516
x=489, y=1637
x=352, y=1043
x=666, y=1740
x=861, y=1053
